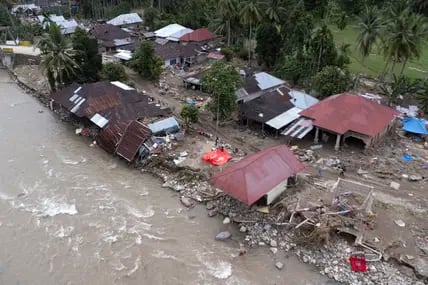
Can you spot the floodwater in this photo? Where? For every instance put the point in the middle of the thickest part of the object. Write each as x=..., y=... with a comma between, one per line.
x=72, y=214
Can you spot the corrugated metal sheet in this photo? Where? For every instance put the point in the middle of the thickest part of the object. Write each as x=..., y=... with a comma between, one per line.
x=126, y=19
x=99, y=120
x=270, y=104
x=109, y=137
x=346, y=112
x=302, y=100
x=164, y=125
x=284, y=119
x=254, y=176
x=170, y=30
x=135, y=135
x=266, y=81
x=198, y=35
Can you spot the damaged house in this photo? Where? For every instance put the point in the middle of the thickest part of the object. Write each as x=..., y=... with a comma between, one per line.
x=263, y=175
x=257, y=84
x=275, y=108
x=116, y=109
x=174, y=53
x=349, y=117
x=110, y=38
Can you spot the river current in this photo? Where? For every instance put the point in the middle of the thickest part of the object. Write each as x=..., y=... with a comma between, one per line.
x=72, y=214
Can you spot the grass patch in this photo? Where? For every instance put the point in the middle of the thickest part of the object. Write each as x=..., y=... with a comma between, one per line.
x=374, y=64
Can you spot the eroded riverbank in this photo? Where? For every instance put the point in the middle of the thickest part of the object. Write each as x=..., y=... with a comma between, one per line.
x=71, y=214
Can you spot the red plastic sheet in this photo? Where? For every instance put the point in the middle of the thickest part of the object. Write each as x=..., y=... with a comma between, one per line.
x=358, y=264
x=217, y=157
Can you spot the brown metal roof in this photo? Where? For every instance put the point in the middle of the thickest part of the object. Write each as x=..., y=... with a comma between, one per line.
x=108, y=100
x=109, y=138
x=172, y=50
x=108, y=32
x=135, y=135
x=255, y=175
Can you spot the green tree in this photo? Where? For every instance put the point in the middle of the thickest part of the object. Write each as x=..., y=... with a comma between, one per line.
x=221, y=81
x=251, y=14
x=275, y=10
x=151, y=16
x=296, y=68
x=190, y=114
x=268, y=45
x=343, y=55
x=400, y=86
x=227, y=52
x=87, y=56
x=422, y=98
x=227, y=9
x=145, y=62
x=370, y=26
x=57, y=57
x=322, y=47
x=112, y=71
x=405, y=36
x=329, y=81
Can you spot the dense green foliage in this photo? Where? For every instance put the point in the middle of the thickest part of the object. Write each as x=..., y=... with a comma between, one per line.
x=329, y=81
x=145, y=62
x=190, y=114
x=58, y=58
x=268, y=45
x=228, y=53
x=87, y=56
x=112, y=71
x=221, y=81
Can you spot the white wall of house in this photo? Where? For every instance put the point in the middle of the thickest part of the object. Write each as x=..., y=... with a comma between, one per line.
x=168, y=61
x=276, y=191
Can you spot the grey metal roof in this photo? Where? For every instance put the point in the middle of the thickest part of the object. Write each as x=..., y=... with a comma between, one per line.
x=163, y=125
x=126, y=19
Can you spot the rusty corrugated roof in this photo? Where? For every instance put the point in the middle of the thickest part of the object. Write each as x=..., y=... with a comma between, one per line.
x=255, y=175
x=135, y=135
x=109, y=137
x=346, y=112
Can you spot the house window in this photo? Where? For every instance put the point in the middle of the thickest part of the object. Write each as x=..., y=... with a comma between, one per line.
x=173, y=62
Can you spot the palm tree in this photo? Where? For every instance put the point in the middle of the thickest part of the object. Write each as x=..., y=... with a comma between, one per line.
x=370, y=31
x=275, y=10
x=57, y=61
x=227, y=9
x=250, y=14
x=405, y=37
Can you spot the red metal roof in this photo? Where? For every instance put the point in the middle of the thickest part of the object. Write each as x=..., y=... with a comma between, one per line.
x=346, y=112
x=199, y=35
x=252, y=177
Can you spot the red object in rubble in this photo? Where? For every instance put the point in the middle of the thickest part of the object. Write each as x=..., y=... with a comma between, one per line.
x=358, y=264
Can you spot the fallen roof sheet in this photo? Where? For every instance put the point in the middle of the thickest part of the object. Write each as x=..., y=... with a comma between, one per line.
x=255, y=175
x=126, y=19
x=135, y=135
x=299, y=128
x=215, y=55
x=346, y=112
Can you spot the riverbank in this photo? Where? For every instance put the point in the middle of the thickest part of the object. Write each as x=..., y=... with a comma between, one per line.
x=269, y=230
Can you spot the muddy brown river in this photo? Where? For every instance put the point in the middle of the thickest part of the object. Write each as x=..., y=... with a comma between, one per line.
x=72, y=214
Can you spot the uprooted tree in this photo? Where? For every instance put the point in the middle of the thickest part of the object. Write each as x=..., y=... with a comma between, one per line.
x=221, y=81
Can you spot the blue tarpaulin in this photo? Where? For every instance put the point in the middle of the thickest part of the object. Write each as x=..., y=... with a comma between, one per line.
x=415, y=126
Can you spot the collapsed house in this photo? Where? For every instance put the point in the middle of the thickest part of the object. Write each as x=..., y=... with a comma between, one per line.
x=275, y=108
x=116, y=109
x=111, y=38
x=263, y=174
x=255, y=85
x=347, y=116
